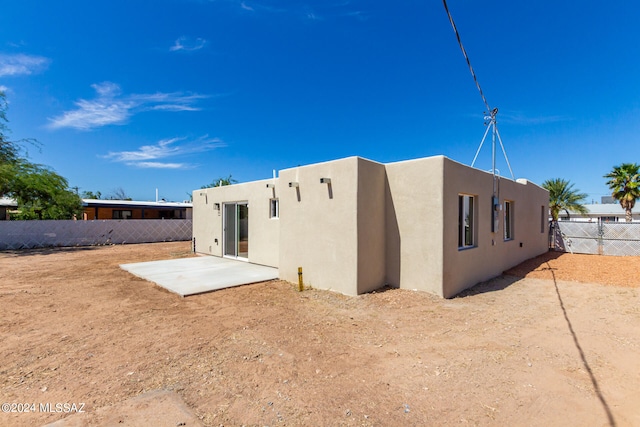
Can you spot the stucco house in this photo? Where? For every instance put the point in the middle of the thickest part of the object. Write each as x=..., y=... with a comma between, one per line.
x=355, y=225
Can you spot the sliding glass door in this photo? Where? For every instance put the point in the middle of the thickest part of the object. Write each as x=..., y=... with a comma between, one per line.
x=236, y=230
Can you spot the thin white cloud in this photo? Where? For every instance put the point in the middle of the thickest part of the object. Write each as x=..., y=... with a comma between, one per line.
x=313, y=16
x=107, y=89
x=359, y=15
x=93, y=114
x=21, y=64
x=253, y=6
x=3, y=88
x=318, y=11
x=519, y=118
x=173, y=107
x=159, y=165
x=187, y=44
x=110, y=107
x=146, y=155
x=147, y=152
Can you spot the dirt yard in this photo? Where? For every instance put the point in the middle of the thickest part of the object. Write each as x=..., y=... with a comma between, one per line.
x=546, y=349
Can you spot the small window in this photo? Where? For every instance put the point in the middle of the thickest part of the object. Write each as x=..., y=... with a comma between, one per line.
x=119, y=214
x=466, y=221
x=508, y=220
x=544, y=217
x=167, y=214
x=274, y=208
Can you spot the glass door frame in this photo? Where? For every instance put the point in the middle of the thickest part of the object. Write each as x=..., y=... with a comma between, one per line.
x=228, y=226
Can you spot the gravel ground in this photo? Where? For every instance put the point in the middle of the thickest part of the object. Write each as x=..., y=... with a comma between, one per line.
x=553, y=342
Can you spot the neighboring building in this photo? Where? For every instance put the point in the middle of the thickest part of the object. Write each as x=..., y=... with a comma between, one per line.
x=608, y=212
x=355, y=225
x=118, y=209
x=607, y=200
x=129, y=209
x=7, y=205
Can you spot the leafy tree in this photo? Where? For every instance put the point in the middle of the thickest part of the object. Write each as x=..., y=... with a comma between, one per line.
x=43, y=194
x=91, y=195
x=9, y=150
x=624, y=182
x=220, y=182
x=40, y=192
x=119, y=194
x=7, y=172
x=563, y=197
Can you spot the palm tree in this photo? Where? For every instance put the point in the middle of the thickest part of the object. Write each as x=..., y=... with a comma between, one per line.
x=563, y=197
x=624, y=182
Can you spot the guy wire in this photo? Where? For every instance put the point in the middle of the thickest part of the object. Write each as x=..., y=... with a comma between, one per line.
x=464, y=52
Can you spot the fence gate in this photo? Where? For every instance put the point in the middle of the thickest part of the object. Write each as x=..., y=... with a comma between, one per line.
x=621, y=238
x=598, y=238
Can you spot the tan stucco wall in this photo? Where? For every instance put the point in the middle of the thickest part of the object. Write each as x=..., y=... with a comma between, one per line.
x=378, y=224
x=318, y=231
x=414, y=224
x=371, y=226
x=264, y=232
x=206, y=223
x=463, y=268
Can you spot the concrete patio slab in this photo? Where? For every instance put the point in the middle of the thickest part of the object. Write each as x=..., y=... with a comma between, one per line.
x=190, y=276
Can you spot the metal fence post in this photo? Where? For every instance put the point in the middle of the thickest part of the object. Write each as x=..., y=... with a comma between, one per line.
x=600, y=237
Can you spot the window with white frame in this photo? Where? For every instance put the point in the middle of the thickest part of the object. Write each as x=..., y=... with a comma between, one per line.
x=274, y=208
x=508, y=220
x=466, y=221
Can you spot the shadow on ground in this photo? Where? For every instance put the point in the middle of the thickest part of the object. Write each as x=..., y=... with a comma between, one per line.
x=587, y=367
x=496, y=284
x=513, y=275
x=534, y=264
x=48, y=251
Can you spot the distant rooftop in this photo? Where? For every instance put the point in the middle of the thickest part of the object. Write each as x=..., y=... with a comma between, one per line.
x=609, y=209
x=135, y=203
x=607, y=200
x=5, y=201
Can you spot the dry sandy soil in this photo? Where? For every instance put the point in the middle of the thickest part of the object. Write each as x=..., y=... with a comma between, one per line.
x=537, y=347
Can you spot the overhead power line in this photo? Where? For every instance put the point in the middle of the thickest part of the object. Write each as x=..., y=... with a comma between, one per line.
x=464, y=52
x=490, y=114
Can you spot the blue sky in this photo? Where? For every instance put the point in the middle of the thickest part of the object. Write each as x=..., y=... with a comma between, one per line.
x=172, y=94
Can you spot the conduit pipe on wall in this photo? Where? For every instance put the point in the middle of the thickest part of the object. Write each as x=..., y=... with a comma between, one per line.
x=329, y=187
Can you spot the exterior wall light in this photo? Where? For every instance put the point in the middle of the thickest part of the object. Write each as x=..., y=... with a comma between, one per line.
x=294, y=184
x=216, y=206
x=271, y=186
x=325, y=180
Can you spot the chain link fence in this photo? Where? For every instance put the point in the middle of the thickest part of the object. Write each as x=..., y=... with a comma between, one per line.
x=599, y=238
x=43, y=234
